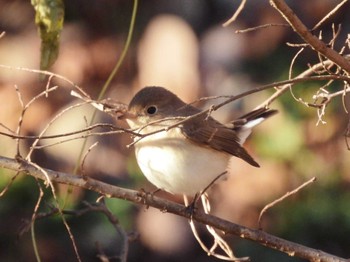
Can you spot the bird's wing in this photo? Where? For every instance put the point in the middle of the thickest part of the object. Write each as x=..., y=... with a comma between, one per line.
x=217, y=136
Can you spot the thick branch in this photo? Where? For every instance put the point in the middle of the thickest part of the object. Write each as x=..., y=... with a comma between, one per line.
x=309, y=38
x=108, y=190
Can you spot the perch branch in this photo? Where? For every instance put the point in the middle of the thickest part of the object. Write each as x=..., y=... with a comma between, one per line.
x=261, y=237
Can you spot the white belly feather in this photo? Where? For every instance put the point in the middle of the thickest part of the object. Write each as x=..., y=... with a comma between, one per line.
x=177, y=165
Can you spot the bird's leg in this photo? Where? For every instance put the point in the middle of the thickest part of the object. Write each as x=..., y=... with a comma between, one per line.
x=155, y=191
x=144, y=194
x=191, y=207
x=152, y=193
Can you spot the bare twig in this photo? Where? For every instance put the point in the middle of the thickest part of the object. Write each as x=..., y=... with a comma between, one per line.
x=236, y=14
x=332, y=12
x=250, y=29
x=304, y=75
x=335, y=36
x=8, y=185
x=32, y=223
x=25, y=108
x=218, y=240
x=43, y=131
x=82, y=170
x=291, y=71
x=347, y=134
x=272, y=204
x=50, y=74
x=99, y=206
x=115, y=130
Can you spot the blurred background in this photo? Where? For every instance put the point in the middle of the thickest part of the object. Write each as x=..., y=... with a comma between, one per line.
x=182, y=46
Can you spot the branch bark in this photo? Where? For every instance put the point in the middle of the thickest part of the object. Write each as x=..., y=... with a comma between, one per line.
x=309, y=38
x=261, y=237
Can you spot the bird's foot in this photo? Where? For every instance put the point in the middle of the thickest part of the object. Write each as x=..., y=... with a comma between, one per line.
x=191, y=207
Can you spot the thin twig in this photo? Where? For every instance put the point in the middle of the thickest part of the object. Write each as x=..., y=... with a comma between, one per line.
x=25, y=108
x=32, y=223
x=218, y=241
x=35, y=71
x=272, y=204
x=285, y=87
x=82, y=170
x=8, y=185
x=116, y=129
x=290, y=75
x=236, y=14
x=332, y=12
x=250, y=29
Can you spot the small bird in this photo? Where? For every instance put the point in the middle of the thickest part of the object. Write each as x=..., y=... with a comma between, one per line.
x=189, y=152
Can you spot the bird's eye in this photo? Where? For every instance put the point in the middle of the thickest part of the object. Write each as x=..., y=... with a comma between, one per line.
x=151, y=110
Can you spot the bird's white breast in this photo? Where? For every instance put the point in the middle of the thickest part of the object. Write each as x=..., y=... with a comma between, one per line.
x=175, y=164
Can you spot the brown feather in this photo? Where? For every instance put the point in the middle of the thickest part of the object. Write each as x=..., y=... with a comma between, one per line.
x=217, y=136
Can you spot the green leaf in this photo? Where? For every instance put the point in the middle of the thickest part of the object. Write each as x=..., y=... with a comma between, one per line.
x=49, y=17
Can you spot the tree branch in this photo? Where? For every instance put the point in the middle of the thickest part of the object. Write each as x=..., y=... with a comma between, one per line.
x=309, y=38
x=261, y=237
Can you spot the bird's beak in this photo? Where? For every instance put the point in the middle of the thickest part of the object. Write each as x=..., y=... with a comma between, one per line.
x=127, y=115
x=114, y=108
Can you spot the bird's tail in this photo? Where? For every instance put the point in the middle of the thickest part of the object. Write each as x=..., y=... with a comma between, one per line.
x=244, y=124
